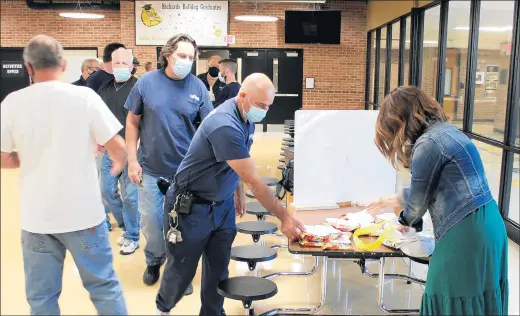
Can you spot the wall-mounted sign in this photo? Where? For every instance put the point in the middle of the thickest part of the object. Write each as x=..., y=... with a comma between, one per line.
x=158, y=21
x=492, y=73
x=230, y=39
x=12, y=69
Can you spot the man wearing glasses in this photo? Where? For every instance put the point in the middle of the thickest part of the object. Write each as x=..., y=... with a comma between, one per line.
x=88, y=67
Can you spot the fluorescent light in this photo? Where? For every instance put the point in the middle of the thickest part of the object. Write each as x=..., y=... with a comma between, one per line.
x=256, y=18
x=81, y=15
x=494, y=29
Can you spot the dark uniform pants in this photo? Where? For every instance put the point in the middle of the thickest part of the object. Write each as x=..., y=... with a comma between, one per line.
x=208, y=231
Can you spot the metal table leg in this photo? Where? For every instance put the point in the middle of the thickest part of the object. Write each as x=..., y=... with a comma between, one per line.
x=389, y=276
x=307, y=311
x=303, y=273
x=381, y=290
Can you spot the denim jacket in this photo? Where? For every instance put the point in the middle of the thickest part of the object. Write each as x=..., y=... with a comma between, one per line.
x=448, y=179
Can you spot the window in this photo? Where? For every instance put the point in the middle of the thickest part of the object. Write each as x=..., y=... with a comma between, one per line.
x=372, y=70
x=494, y=47
x=382, y=65
x=514, y=203
x=394, y=73
x=456, y=60
x=492, y=159
x=75, y=58
x=407, y=51
x=430, y=50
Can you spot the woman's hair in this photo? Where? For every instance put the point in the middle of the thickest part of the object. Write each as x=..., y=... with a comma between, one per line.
x=403, y=117
x=171, y=46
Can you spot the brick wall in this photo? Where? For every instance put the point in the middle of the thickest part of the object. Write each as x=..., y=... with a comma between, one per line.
x=339, y=70
x=19, y=24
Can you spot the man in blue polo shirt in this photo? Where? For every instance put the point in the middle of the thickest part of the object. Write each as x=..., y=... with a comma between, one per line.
x=164, y=107
x=217, y=159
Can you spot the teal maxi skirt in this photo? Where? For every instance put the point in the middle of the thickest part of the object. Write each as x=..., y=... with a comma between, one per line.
x=468, y=269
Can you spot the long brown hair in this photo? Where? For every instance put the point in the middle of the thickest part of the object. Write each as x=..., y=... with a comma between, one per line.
x=403, y=116
x=171, y=46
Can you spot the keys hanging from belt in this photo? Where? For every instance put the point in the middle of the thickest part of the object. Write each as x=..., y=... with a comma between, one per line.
x=174, y=236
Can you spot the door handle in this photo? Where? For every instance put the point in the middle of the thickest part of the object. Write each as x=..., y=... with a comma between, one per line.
x=286, y=95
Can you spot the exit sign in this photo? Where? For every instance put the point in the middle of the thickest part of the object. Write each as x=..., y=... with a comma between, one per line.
x=230, y=39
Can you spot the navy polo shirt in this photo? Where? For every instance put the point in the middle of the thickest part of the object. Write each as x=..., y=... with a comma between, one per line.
x=170, y=110
x=96, y=80
x=222, y=136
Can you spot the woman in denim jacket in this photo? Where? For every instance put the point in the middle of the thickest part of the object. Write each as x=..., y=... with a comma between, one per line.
x=468, y=270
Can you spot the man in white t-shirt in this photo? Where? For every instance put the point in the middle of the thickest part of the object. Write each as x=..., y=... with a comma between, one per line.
x=54, y=126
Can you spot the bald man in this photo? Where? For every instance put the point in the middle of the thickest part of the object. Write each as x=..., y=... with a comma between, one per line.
x=209, y=191
x=124, y=207
x=210, y=78
x=88, y=67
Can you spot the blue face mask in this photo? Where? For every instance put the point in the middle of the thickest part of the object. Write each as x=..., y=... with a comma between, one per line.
x=221, y=77
x=122, y=74
x=182, y=67
x=255, y=114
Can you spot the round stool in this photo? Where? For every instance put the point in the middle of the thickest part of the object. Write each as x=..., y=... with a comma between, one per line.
x=250, y=194
x=281, y=160
x=256, y=228
x=286, y=139
x=281, y=167
x=252, y=254
x=269, y=181
x=255, y=208
x=247, y=289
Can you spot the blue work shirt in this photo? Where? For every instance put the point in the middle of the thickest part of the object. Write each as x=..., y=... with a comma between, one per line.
x=223, y=135
x=170, y=111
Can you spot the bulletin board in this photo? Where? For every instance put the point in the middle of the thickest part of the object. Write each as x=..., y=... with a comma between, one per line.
x=336, y=159
x=158, y=21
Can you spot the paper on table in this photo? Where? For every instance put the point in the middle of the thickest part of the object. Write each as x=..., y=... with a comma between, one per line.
x=321, y=230
x=342, y=225
x=362, y=218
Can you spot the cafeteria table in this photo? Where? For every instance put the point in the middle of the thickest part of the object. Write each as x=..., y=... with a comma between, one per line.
x=316, y=217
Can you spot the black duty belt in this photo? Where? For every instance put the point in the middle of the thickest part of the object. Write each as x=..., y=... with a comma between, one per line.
x=199, y=200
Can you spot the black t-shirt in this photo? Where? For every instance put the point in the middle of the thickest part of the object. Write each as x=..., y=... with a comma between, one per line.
x=97, y=79
x=228, y=91
x=114, y=94
x=218, y=86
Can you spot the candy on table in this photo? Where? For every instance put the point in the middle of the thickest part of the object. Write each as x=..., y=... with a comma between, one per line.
x=311, y=244
x=334, y=245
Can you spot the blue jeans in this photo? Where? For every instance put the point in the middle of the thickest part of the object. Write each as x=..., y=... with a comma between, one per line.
x=43, y=257
x=151, y=209
x=98, y=165
x=125, y=207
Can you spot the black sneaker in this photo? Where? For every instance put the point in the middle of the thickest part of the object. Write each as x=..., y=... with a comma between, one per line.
x=189, y=290
x=223, y=313
x=151, y=274
x=109, y=226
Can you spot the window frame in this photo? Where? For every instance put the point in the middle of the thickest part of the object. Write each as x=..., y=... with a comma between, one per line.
x=508, y=146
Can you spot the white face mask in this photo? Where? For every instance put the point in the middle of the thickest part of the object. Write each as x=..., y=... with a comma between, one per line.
x=221, y=77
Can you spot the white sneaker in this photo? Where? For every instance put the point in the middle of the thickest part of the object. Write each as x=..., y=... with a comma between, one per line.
x=129, y=247
x=121, y=240
x=158, y=312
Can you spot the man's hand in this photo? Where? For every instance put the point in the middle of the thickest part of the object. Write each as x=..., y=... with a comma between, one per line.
x=240, y=204
x=392, y=203
x=292, y=228
x=117, y=168
x=135, y=173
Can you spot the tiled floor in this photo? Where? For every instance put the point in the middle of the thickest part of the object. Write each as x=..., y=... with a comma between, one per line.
x=348, y=292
